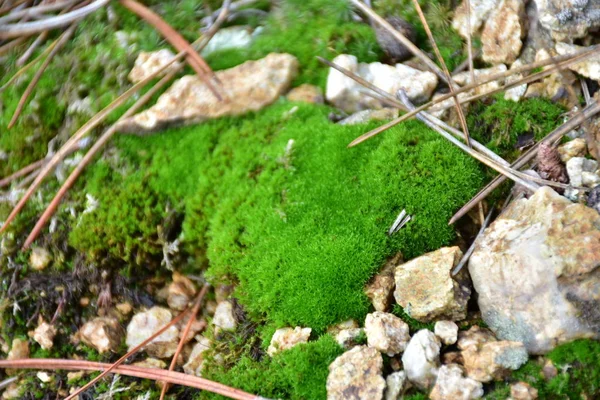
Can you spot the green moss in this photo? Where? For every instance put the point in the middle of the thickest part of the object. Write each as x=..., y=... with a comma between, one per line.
x=413, y=324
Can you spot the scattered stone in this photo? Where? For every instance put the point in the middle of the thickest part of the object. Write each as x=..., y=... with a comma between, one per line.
x=222, y=292
x=286, y=338
x=145, y=324
x=348, y=324
x=557, y=86
x=464, y=78
x=232, y=37
x=306, y=93
x=19, y=350
x=347, y=95
x=475, y=337
x=381, y=288
x=84, y=301
x=395, y=50
x=148, y=63
x=224, y=318
x=346, y=334
x=447, y=331
x=452, y=357
x=151, y=363
x=590, y=68
x=396, y=385
x=576, y=166
x=421, y=359
x=124, y=308
x=568, y=19
x=364, y=116
x=44, y=376
x=13, y=391
x=523, y=391
x=501, y=39
x=356, y=375
x=533, y=269
x=181, y=292
x=102, y=333
x=451, y=384
x=386, y=332
x=549, y=370
x=590, y=179
x=593, y=200
x=40, y=258
x=515, y=94
x=493, y=360
x=194, y=363
x=480, y=11
x=44, y=335
x=426, y=290
x=73, y=376
x=573, y=148
x=247, y=87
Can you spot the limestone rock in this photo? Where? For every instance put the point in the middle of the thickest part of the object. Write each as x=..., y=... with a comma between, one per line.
x=493, y=360
x=447, y=331
x=306, y=93
x=356, y=375
x=19, y=350
x=364, y=116
x=346, y=333
x=14, y=391
x=475, y=337
x=576, y=166
x=386, y=332
x=396, y=385
x=146, y=323
x=480, y=11
x=573, y=148
x=102, y=333
x=517, y=92
x=247, y=87
x=224, y=319
x=148, y=63
x=231, y=37
x=44, y=335
x=502, y=36
x=346, y=94
x=193, y=365
x=556, y=86
x=464, y=78
x=381, y=288
x=523, y=391
x=425, y=289
x=40, y=258
x=451, y=384
x=568, y=19
x=286, y=338
x=180, y=292
x=421, y=359
x=590, y=68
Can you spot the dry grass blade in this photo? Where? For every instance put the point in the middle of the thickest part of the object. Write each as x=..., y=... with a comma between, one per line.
x=193, y=58
x=155, y=374
x=37, y=10
x=565, y=61
x=451, y=84
x=184, y=335
x=573, y=123
x=38, y=75
x=12, y=6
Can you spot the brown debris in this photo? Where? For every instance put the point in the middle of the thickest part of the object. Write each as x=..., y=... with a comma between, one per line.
x=549, y=164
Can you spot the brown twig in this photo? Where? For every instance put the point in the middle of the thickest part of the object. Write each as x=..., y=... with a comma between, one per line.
x=155, y=374
x=186, y=330
x=36, y=43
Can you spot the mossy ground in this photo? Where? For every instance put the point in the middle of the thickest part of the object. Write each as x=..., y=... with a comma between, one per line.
x=298, y=226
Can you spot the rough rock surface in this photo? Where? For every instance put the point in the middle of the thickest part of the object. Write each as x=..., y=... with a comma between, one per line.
x=180, y=292
x=517, y=92
x=345, y=93
x=451, y=384
x=396, y=385
x=356, y=375
x=447, y=331
x=590, y=68
x=573, y=148
x=193, y=365
x=502, y=36
x=493, y=360
x=148, y=63
x=421, y=359
x=568, y=19
x=286, y=338
x=231, y=37
x=425, y=289
x=306, y=93
x=536, y=272
x=144, y=324
x=523, y=391
x=44, y=335
x=224, y=319
x=246, y=87
x=386, y=332
x=346, y=333
x=364, y=116
x=40, y=258
x=475, y=336
x=577, y=166
x=464, y=78
x=381, y=288
x=102, y=333
x=480, y=11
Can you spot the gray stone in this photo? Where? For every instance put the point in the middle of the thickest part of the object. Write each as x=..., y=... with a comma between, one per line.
x=447, y=331
x=421, y=359
x=480, y=11
x=502, y=36
x=102, y=333
x=386, y=332
x=396, y=385
x=590, y=68
x=451, y=384
x=568, y=19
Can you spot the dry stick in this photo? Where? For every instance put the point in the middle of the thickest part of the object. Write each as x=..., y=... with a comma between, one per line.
x=490, y=78
x=5, y=48
x=36, y=43
x=188, y=326
x=35, y=11
x=12, y=6
x=574, y=122
x=51, y=209
x=467, y=255
x=155, y=374
x=8, y=31
x=38, y=75
x=22, y=172
x=402, y=39
x=451, y=85
x=193, y=58
x=593, y=145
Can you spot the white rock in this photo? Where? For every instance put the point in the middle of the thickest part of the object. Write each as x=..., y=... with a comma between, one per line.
x=447, y=331
x=568, y=19
x=493, y=360
x=286, y=338
x=575, y=168
x=573, y=148
x=516, y=93
x=347, y=338
x=232, y=37
x=396, y=385
x=480, y=11
x=224, y=318
x=44, y=376
x=44, y=335
x=148, y=63
x=180, y=292
x=102, y=333
x=144, y=324
x=590, y=68
x=590, y=179
x=451, y=384
x=421, y=359
x=40, y=258
x=523, y=391
x=386, y=332
x=195, y=361
x=501, y=39
x=356, y=375
x=533, y=269
x=464, y=78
